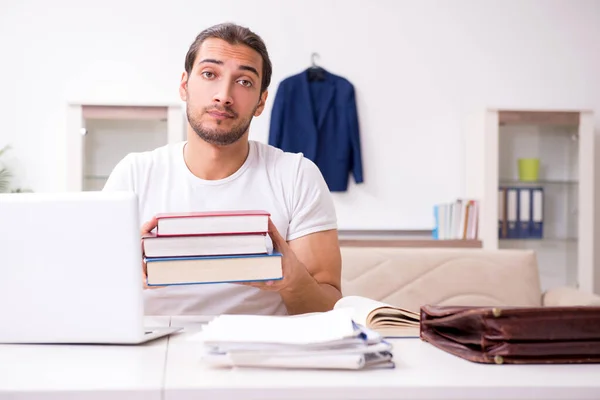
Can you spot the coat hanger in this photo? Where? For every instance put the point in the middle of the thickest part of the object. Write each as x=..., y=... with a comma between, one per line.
x=312, y=59
x=315, y=72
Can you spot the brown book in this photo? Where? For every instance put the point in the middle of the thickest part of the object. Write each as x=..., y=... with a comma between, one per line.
x=515, y=335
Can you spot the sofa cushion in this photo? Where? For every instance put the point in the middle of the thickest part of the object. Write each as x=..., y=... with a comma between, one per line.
x=411, y=277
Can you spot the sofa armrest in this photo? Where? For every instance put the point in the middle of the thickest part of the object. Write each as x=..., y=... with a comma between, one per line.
x=569, y=296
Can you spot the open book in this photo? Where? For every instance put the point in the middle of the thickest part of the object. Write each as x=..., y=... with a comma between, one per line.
x=387, y=320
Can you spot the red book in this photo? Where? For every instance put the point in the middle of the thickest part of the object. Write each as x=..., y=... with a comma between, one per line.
x=213, y=223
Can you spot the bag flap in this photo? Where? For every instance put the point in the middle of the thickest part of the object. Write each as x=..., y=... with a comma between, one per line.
x=493, y=324
x=523, y=335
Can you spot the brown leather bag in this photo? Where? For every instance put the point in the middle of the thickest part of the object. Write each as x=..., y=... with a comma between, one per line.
x=514, y=335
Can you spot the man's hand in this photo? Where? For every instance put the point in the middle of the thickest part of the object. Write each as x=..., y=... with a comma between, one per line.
x=312, y=268
x=294, y=271
x=147, y=228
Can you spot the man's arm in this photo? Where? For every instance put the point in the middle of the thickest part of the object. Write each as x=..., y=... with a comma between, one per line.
x=321, y=287
x=311, y=262
x=312, y=267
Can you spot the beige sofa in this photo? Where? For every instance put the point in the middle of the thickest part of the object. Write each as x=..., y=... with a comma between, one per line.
x=411, y=277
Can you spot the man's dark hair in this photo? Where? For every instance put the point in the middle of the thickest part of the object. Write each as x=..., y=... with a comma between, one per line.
x=232, y=34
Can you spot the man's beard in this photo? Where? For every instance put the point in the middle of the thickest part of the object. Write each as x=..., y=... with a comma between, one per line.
x=215, y=137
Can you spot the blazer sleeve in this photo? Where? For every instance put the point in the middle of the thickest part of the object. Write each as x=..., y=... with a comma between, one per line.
x=356, y=156
x=277, y=119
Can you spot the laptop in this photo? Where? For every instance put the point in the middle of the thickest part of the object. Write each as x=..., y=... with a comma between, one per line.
x=71, y=269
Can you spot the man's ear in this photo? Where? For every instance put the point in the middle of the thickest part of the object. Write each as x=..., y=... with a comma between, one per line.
x=183, y=86
x=261, y=103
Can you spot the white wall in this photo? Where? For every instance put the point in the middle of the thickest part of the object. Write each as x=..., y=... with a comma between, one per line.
x=418, y=67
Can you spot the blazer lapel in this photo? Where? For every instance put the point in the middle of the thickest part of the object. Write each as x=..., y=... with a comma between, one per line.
x=307, y=100
x=325, y=100
x=318, y=111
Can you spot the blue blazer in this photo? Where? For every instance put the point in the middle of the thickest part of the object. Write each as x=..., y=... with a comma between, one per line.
x=318, y=118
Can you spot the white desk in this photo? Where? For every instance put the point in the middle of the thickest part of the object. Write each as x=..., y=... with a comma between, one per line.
x=86, y=372
x=422, y=372
x=171, y=369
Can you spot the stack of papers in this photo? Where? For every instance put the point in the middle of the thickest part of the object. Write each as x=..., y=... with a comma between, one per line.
x=328, y=340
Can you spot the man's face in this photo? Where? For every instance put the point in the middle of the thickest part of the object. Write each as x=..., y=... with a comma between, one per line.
x=222, y=91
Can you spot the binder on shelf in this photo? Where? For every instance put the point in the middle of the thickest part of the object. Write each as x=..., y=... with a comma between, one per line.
x=537, y=213
x=502, y=228
x=524, y=208
x=512, y=204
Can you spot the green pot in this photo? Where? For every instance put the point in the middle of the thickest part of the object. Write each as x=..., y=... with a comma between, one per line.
x=529, y=169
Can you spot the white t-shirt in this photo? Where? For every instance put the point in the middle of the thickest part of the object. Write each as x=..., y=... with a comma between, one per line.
x=287, y=185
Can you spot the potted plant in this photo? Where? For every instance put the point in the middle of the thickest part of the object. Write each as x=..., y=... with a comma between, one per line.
x=6, y=175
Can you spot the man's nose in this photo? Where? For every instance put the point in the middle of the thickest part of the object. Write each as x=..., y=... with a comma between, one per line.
x=223, y=95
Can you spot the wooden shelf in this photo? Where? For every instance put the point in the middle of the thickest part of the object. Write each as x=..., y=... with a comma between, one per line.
x=124, y=112
x=538, y=117
x=410, y=243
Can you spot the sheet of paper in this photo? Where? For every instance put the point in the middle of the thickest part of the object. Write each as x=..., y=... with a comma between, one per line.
x=315, y=328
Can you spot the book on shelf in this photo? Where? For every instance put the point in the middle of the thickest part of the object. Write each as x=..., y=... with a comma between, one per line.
x=203, y=245
x=456, y=220
x=385, y=319
x=324, y=340
x=164, y=271
x=212, y=222
x=520, y=212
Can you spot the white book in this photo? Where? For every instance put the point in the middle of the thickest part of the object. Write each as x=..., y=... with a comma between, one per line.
x=203, y=245
x=383, y=318
x=462, y=231
x=457, y=215
x=442, y=222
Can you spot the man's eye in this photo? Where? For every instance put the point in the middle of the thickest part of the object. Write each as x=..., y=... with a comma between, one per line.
x=208, y=74
x=245, y=83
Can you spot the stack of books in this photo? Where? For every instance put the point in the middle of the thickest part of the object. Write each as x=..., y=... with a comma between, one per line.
x=328, y=340
x=210, y=247
x=456, y=220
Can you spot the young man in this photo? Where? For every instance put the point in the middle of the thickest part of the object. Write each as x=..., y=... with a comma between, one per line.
x=227, y=73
